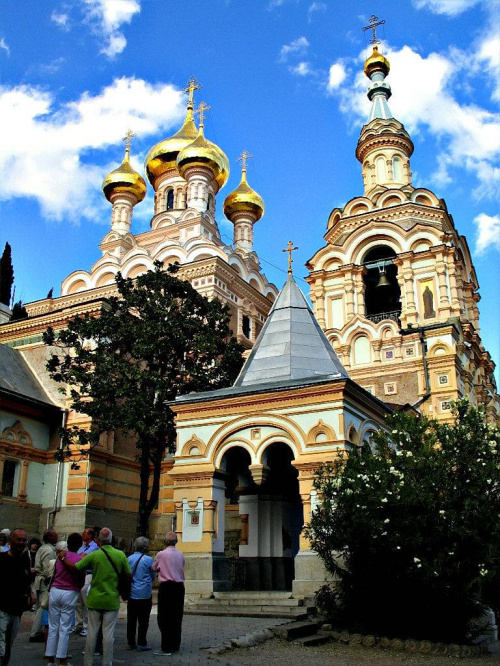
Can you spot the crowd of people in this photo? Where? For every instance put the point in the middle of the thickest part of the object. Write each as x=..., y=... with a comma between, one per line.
x=74, y=586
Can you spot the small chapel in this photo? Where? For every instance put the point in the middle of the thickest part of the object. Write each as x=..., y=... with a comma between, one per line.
x=394, y=324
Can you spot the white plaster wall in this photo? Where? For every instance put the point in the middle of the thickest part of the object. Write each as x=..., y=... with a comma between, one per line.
x=35, y=482
x=49, y=482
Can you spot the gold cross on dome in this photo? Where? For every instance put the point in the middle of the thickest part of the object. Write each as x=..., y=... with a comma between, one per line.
x=373, y=23
x=290, y=248
x=128, y=136
x=201, y=111
x=191, y=87
x=243, y=159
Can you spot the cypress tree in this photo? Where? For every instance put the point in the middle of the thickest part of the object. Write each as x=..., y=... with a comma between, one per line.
x=6, y=275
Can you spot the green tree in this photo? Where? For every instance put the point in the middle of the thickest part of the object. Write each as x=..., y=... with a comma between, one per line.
x=411, y=531
x=6, y=275
x=18, y=311
x=158, y=339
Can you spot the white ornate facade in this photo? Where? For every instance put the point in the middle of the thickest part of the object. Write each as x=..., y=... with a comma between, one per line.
x=394, y=287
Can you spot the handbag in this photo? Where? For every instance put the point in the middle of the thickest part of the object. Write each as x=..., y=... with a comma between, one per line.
x=124, y=580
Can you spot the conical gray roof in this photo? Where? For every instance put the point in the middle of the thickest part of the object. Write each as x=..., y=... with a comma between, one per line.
x=291, y=345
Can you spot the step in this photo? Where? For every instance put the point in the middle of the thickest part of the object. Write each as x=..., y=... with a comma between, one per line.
x=311, y=641
x=254, y=594
x=295, y=630
x=246, y=611
x=252, y=601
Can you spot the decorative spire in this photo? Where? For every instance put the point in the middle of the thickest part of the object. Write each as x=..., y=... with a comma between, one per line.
x=373, y=23
x=243, y=159
x=127, y=138
x=201, y=113
x=191, y=87
x=290, y=248
x=376, y=69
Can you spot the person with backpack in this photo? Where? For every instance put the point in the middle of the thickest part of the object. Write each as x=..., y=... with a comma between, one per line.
x=109, y=568
x=141, y=596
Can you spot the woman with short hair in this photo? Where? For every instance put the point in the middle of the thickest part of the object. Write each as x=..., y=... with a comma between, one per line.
x=141, y=596
x=64, y=591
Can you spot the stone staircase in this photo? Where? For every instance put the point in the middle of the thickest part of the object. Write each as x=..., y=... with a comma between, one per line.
x=251, y=604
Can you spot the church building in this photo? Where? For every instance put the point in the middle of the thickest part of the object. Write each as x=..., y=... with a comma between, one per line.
x=394, y=323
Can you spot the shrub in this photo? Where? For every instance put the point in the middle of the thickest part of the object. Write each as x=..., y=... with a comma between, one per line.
x=411, y=530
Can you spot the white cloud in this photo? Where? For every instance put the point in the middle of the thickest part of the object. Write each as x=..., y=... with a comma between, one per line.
x=469, y=135
x=488, y=232
x=448, y=7
x=336, y=76
x=45, y=149
x=298, y=48
x=488, y=57
x=107, y=17
x=4, y=46
x=302, y=69
x=314, y=8
x=60, y=19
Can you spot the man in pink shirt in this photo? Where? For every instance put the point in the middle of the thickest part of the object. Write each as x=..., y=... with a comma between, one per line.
x=169, y=564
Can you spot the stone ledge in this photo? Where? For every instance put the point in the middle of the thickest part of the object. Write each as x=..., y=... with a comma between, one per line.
x=409, y=645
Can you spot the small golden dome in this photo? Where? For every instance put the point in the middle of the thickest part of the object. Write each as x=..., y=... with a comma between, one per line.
x=376, y=62
x=124, y=179
x=202, y=152
x=163, y=156
x=243, y=198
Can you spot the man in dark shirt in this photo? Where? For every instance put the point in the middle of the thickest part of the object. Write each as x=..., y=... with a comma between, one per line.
x=16, y=594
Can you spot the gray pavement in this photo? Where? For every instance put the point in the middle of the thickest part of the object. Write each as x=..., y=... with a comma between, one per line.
x=200, y=633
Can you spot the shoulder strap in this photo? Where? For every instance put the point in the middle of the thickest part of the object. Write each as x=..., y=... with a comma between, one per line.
x=137, y=564
x=110, y=561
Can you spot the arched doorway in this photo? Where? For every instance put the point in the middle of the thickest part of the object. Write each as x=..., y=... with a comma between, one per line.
x=263, y=521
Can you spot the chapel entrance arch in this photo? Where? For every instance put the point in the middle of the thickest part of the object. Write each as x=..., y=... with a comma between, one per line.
x=263, y=518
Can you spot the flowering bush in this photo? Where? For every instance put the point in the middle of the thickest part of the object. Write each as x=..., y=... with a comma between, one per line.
x=411, y=530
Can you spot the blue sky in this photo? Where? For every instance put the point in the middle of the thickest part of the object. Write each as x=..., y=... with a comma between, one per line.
x=284, y=81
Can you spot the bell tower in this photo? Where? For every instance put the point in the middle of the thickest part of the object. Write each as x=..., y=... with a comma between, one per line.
x=394, y=287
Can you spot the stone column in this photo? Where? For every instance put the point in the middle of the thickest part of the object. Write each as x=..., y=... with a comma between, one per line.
x=444, y=300
x=22, y=495
x=349, y=292
x=359, y=287
x=319, y=303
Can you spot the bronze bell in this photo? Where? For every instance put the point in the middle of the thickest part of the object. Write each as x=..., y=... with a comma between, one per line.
x=383, y=280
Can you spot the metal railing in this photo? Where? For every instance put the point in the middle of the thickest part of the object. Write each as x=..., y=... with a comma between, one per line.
x=376, y=318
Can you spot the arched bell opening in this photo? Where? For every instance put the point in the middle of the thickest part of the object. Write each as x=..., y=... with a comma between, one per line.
x=382, y=291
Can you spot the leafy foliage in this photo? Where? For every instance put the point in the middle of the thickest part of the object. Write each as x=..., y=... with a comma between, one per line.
x=411, y=532
x=18, y=311
x=6, y=275
x=158, y=339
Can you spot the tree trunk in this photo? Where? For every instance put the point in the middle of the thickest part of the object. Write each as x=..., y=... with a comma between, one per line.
x=142, y=526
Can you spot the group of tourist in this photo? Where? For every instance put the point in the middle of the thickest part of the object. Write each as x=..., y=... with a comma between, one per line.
x=73, y=587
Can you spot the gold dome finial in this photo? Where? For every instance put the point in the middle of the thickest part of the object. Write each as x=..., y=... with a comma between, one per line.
x=191, y=87
x=204, y=153
x=200, y=111
x=125, y=179
x=162, y=157
x=376, y=61
x=290, y=248
x=244, y=198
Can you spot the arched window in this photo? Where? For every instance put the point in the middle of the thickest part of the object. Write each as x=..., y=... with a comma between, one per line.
x=380, y=170
x=397, y=171
x=362, y=350
x=170, y=199
x=382, y=291
x=210, y=202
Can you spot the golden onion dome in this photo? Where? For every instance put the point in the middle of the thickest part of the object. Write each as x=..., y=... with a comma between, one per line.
x=244, y=199
x=163, y=157
x=376, y=62
x=202, y=152
x=124, y=180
